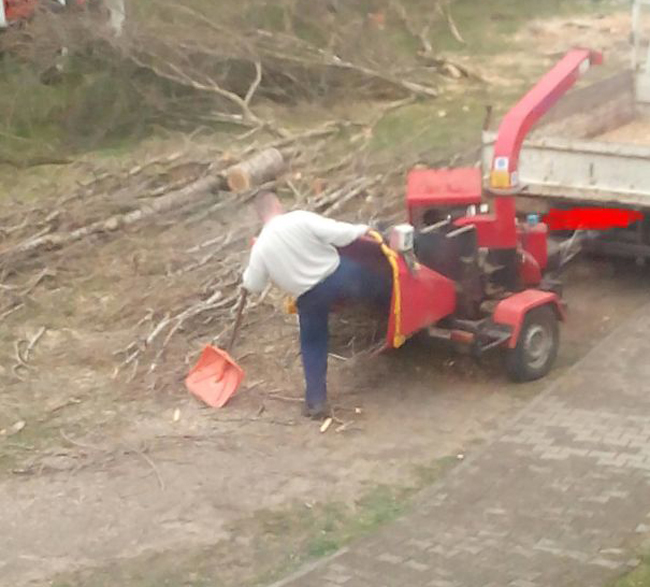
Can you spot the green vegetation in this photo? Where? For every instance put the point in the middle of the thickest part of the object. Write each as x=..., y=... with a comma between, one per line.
x=279, y=542
x=102, y=101
x=639, y=577
x=84, y=109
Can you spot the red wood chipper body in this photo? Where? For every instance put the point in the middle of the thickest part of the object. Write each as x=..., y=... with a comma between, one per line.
x=465, y=269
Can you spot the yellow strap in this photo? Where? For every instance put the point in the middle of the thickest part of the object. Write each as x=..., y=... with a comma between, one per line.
x=391, y=256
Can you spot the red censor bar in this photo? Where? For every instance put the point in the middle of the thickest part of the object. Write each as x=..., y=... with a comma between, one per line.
x=591, y=218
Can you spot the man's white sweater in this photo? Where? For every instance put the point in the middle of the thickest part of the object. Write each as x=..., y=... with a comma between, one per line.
x=297, y=250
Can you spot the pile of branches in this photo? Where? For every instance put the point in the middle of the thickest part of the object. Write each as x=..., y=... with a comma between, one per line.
x=322, y=50
x=322, y=173
x=234, y=65
x=184, y=64
x=216, y=264
x=359, y=189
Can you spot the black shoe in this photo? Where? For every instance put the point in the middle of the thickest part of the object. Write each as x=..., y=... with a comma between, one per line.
x=316, y=412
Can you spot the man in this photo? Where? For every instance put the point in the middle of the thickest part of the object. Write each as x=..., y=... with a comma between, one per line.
x=298, y=252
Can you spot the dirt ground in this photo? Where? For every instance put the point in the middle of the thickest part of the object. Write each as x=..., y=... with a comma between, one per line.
x=102, y=467
x=160, y=485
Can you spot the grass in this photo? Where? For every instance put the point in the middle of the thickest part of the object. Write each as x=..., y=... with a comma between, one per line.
x=639, y=577
x=278, y=542
x=61, y=120
x=431, y=129
x=28, y=110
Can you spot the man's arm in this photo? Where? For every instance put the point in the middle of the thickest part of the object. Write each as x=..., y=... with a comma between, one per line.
x=339, y=234
x=255, y=276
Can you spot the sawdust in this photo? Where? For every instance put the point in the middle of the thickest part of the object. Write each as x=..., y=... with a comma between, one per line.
x=603, y=32
x=551, y=39
x=636, y=132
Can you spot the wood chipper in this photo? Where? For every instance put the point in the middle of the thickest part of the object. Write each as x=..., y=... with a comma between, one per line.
x=465, y=268
x=451, y=283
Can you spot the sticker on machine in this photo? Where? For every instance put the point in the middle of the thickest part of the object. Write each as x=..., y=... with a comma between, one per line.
x=501, y=164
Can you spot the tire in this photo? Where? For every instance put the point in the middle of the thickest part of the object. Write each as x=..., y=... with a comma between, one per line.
x=537, y=347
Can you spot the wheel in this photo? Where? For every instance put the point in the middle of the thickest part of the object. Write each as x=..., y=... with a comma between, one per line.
x=537, y=346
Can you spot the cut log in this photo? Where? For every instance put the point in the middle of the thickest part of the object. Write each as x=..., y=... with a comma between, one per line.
x=259, y=169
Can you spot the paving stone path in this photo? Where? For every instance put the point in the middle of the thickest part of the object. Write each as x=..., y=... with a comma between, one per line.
x=560, y=497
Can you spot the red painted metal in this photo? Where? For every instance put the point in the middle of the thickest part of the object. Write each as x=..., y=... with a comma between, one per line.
x=512, y=311
x=426, y=298
x=19, y=9
x=16, y=10
x=534, y=240
x=440, y=188
x=529, y=270
x=520, y=119
x=497, y=230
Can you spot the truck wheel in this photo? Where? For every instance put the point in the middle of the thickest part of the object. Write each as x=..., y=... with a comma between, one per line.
x=537, y=346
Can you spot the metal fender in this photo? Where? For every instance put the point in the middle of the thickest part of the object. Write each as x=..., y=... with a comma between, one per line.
x=512, y=311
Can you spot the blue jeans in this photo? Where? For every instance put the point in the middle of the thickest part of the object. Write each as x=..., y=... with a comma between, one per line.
x=351, y=281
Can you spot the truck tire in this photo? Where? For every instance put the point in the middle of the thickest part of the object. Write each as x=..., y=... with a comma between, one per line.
x=537, y=347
